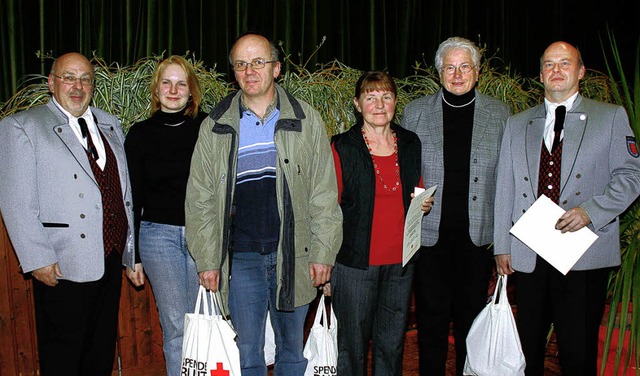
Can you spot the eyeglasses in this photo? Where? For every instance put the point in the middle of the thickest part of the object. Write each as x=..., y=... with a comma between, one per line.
x=464, y=69
x=255, y=64
x=72, y=80
x=550, y=65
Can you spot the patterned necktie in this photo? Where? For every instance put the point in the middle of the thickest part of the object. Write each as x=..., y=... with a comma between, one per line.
x=87, y=136
x=558, y=125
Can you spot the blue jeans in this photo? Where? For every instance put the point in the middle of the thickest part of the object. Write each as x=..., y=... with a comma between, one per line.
x=252, y=290
x=173, y=277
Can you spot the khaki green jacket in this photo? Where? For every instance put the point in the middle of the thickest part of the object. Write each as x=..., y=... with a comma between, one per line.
x=310, y=218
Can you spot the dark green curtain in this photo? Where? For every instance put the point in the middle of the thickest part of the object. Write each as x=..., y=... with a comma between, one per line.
x=366, y=34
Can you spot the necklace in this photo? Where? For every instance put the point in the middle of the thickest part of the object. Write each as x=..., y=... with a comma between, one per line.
x=375, y=165
x=174, y=125
x=459, y=106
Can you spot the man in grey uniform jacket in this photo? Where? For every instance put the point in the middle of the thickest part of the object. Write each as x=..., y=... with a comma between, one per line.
x=588, y=165
x=66, y=201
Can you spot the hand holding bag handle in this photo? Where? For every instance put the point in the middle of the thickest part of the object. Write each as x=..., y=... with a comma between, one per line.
x=209, y=339
x=321, y=349
x=195, y=342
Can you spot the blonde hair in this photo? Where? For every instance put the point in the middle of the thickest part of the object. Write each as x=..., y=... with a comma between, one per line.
x=192, y=81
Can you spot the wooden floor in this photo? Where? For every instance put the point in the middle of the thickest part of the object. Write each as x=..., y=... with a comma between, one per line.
x=410, y=362
x=410, y=356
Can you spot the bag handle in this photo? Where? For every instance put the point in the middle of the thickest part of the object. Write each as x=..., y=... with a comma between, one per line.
x=500, y=291
x=202, y=303
x=334, y=320
x=208, y=302
x=216, y=300
x=216, y=307
x=321, y=313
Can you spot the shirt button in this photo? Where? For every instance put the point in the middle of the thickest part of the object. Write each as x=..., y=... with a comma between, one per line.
x=83, y=236
x=550, y=174
x=550, y=163
x=550, y=186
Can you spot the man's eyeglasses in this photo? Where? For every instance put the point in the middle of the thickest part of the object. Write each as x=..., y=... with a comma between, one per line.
x=255, y=64
x=451, y=69
x=72, y=80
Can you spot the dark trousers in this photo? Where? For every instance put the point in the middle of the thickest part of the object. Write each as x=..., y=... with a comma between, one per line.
x=573, y=303
x=450, y=285
x=77, y=323
x=371, y=305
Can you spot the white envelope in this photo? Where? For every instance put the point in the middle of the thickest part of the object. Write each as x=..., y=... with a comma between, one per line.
x=536, y=229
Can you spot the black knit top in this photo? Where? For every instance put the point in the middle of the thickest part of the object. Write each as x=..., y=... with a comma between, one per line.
x=159, y=153
x=457, y=132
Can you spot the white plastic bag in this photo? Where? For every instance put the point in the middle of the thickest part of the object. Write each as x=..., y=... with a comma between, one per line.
x=209, y=342
x=493, y=344
x=269, y=343
x=321, y=349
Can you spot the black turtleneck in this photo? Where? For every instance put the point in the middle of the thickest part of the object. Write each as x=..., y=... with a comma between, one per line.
x=159, y=153
x=457, y=113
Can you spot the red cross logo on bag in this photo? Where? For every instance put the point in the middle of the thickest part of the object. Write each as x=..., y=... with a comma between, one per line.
x=219, y=371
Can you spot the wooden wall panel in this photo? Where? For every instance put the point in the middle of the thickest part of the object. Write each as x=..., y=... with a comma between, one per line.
x=140, y=337
x=139, y=334
x=17, y=324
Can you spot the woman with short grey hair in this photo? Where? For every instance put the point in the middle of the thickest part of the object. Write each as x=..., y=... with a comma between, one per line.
x=460, y=130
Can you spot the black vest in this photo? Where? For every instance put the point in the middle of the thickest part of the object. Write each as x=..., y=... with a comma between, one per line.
x=358, y=191
x=115, y=224
x=549, y=172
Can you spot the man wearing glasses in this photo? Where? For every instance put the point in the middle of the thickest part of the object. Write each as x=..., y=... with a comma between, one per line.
x=66, y=202
x=262, y=216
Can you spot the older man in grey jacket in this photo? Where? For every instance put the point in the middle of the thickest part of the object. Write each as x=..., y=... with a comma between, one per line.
x=66, y=201
x=583, y=155
x=262, y=217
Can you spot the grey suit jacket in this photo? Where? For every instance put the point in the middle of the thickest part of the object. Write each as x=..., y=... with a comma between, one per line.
x=424, y=117
x=600, y=173
x=49, y=198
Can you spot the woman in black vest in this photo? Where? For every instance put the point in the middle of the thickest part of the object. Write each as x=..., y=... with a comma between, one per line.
x=377, y=166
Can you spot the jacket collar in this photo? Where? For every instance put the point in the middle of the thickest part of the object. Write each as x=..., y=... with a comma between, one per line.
x=227, y=113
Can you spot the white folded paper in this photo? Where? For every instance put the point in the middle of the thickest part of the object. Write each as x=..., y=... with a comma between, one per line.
x=413, y=223
x=536, y=229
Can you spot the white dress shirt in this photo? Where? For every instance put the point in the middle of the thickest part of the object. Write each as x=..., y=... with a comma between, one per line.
x=93, y=131
x=551, y=118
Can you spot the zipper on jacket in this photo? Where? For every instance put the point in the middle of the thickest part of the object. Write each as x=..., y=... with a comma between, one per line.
x=227, y=205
